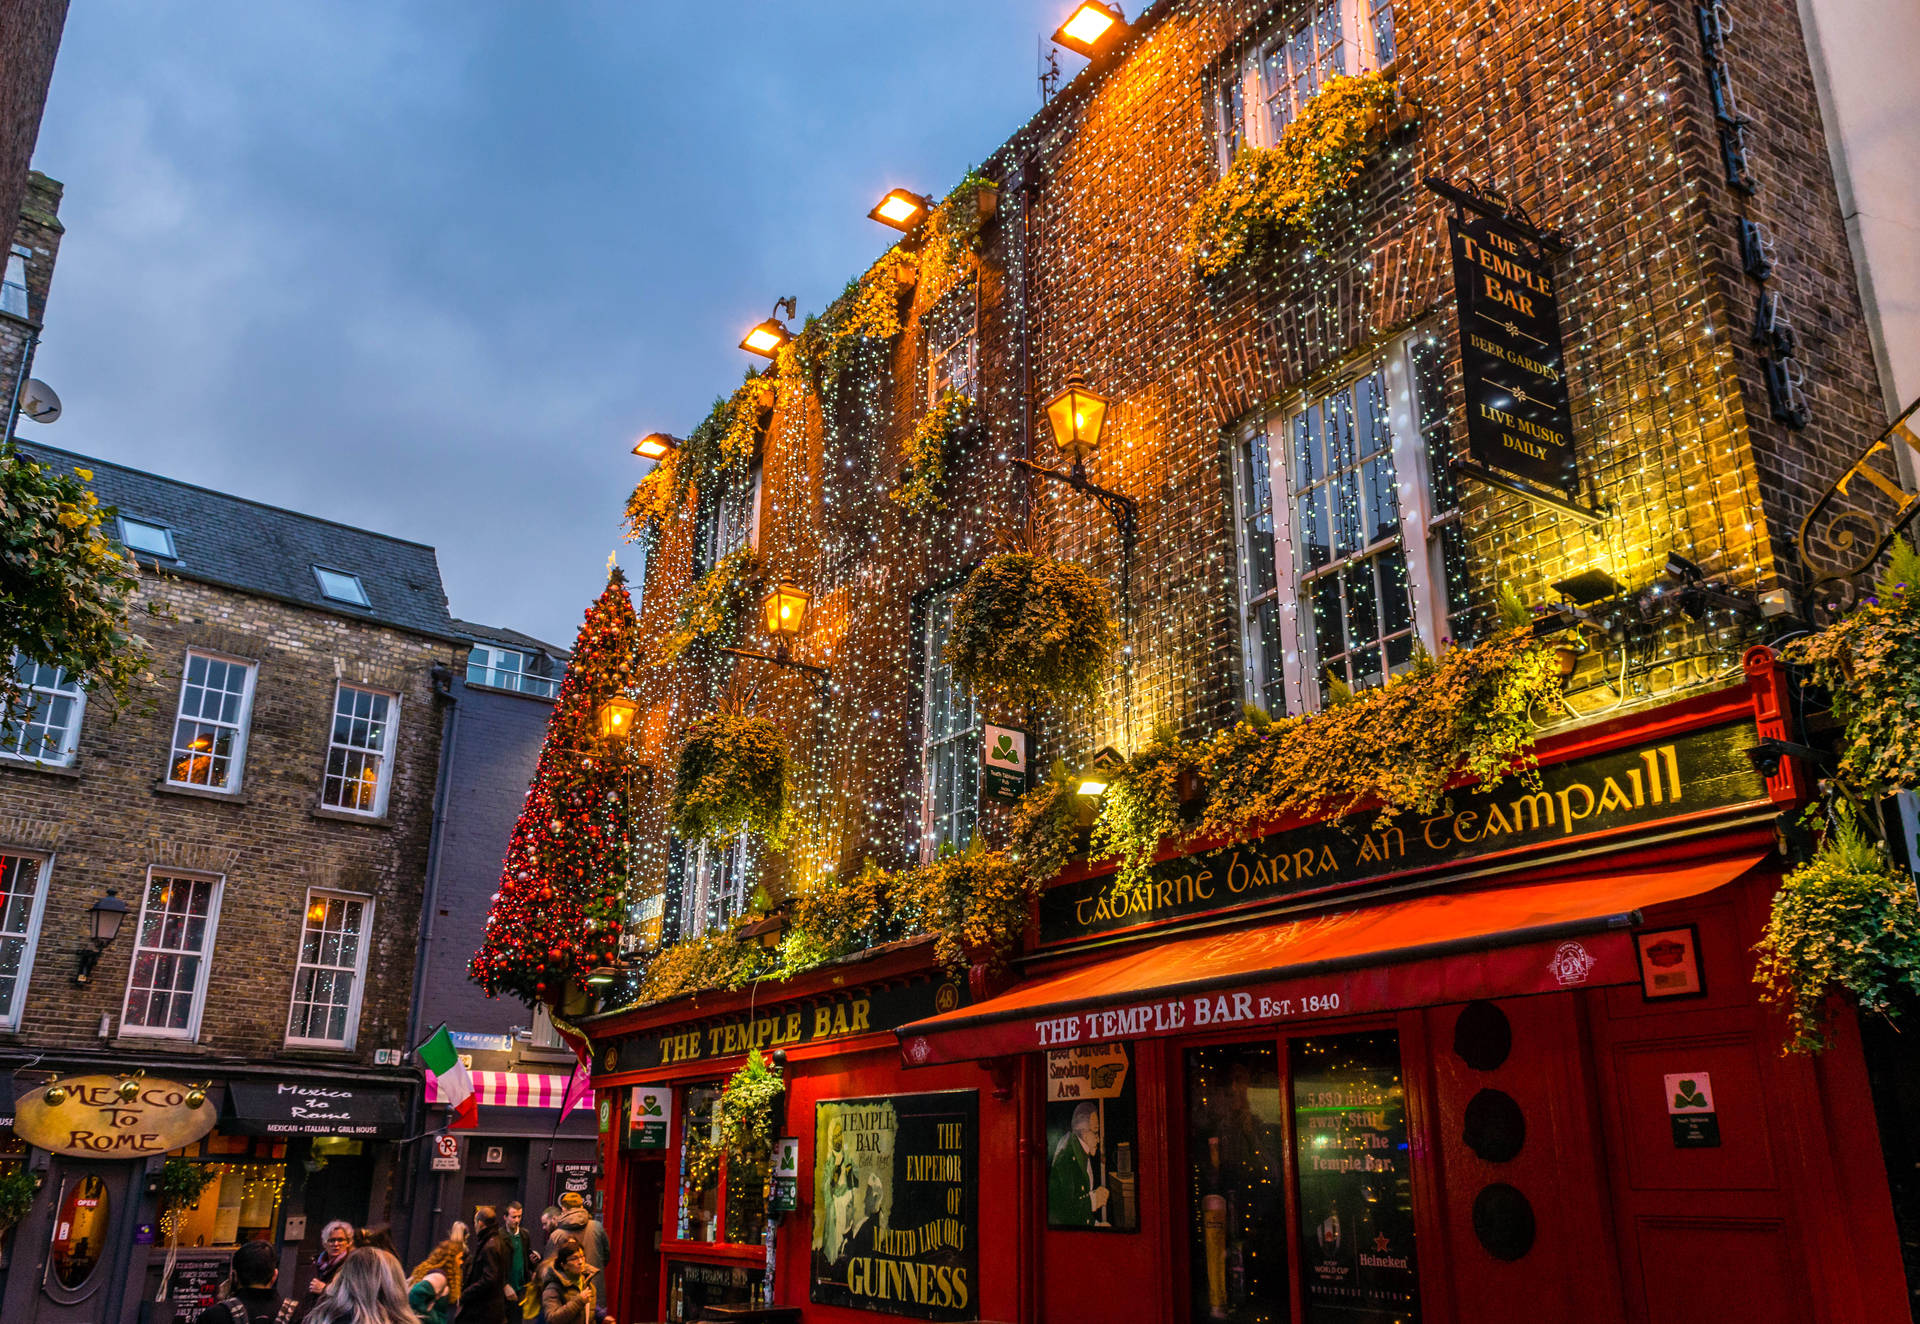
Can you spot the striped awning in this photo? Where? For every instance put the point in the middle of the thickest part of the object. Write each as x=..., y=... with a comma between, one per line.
x=510, y=1089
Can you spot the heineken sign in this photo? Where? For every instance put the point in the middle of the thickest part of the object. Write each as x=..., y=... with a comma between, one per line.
x=1630, y=789
x=840, y=1015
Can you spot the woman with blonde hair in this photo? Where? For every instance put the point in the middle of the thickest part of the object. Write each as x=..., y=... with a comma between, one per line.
x=368, y=1289
x=448, y=1260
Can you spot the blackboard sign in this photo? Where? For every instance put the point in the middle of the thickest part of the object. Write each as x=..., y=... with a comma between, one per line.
x=196, y=1281
x=896, y=1199
x=1356, y=1187
x=1518, y=418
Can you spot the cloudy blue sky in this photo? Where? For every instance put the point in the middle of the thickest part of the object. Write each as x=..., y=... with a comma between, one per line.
x=430, y=267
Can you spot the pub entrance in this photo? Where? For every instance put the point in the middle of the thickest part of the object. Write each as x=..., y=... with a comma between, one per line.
x=1294, y=1183
x=71, y=1260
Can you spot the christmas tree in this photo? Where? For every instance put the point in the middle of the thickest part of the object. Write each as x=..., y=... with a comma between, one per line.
x=562, y=898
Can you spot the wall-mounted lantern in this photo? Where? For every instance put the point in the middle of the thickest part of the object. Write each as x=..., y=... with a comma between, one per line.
x=1091, y=29
x=767, y=338
x=1078, y=415
x=104, y=918
x=901, y=208
x=785, y=610
x=613, y=720
x=656, y=446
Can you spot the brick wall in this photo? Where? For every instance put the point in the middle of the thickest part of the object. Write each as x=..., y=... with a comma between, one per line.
x=1589, y=116
x=37, y=228
x=30, y=35
x=108, y=818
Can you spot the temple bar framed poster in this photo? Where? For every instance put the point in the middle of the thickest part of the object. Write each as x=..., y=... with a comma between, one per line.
x=896, y=1204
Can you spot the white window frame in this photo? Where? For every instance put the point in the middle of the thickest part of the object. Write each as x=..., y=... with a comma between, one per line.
x=956, y=361
x=63, y=757
x=1255, y=665
x=385, y=783
x=17, y=305
x=236, y=763
x=1251, y=82
x=933, y=668
x=704, y=862
x=324, y=894
x=483, y=668
x=1420, y=527
x=165, y=532
x=320, y=573
x=42, y=866
x=192, y=1031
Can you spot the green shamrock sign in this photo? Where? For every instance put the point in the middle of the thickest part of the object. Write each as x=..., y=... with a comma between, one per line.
x=1689, y=1096
x=1003, y=751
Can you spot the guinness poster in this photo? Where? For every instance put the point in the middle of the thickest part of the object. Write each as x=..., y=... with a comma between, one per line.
x=1356, y=1189
x=1518, y=419
x=895, y=1209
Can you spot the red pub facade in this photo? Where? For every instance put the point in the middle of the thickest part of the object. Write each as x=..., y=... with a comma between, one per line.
x=1506, y=1060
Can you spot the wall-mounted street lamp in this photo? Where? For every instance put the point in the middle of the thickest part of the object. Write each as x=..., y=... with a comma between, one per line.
x=656, y=446
x=785, y=609
x=104, y=918
x=766, y=338
x=901, y=208
x=613, y=720
x=1077, y=415
x=1091, y=29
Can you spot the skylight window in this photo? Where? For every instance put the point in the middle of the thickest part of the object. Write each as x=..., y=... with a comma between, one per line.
x=142, y=536
x=341, y=586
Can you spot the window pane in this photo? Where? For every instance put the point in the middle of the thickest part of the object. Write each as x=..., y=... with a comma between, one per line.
x=950, y=740
x=173, y=937
x=357, y=764
x=1236, y=1175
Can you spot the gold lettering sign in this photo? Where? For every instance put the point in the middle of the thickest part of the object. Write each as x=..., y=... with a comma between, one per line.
x=94, y=1121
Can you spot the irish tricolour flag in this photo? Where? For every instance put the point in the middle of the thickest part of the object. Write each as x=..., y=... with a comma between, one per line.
x=450, y=1079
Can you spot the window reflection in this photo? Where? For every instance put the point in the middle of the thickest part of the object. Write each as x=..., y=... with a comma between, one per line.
x=1236, y=1192
x=80, y=1231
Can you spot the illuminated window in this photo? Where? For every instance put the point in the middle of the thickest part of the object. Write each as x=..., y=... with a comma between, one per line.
x=950, y=728
x=714, y=887
x=168, y=983
x=44, y=725
x=953, y=344
x=23, y=892
x=241, y=1203
x=327, y=975
x=360, y=755
x=721, y=1198
x=1365, y=550
x=1281, y=73
x=210, y=730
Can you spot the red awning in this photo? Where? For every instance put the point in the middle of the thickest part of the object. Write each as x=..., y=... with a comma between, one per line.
x=1423, y=951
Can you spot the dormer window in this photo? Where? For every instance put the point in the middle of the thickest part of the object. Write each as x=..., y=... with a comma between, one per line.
x=339, y=586
x=140, y=535
x=13, y=289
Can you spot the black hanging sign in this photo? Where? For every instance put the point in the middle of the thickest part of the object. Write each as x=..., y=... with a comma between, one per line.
x=896, y=1204
x=1519, y=420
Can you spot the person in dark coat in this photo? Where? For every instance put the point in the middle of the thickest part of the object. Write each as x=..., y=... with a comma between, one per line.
x=249, y=1296
x=484, y=1286
x=566, y=1284
x=576, y=1222
x=336, y=1243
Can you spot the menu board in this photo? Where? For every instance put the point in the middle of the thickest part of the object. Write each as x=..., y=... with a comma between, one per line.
x=896, y=1204
x=1356, y=1189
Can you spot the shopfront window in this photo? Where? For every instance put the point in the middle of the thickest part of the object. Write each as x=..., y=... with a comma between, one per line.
x=1237, y=1184
x=721, y=1198
x=241, y=1203
x=80, y=1231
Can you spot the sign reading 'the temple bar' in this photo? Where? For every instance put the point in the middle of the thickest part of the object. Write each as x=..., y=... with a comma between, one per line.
x=1518, y=419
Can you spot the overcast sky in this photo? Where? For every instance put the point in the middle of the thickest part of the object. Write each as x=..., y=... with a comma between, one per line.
x=429, y=268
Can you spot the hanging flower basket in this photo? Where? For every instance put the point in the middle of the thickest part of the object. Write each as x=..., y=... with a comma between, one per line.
x=746, y=1111
x=734, y=776
x=1028, y=627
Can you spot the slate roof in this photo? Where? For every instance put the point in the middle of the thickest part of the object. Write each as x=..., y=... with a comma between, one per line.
x=256, y=548
x=500, y=634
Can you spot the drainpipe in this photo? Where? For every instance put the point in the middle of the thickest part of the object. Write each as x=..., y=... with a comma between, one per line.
x=19, y=383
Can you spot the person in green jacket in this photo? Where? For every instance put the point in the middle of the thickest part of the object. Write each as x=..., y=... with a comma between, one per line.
x=522, y=1263
x=429, y=1298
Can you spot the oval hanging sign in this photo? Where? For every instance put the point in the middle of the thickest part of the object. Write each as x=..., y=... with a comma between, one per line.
x=100, y=1118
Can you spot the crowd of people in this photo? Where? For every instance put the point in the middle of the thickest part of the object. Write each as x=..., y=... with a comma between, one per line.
x=487, y=1272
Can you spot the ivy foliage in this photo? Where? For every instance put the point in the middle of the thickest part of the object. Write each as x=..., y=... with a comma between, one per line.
x=1270, y=191
x=715, y=604
x=1846, y=920
x=734, y=776
x=18, y=1186
x=1028, y=627
x=923, y=467
x=1141, y=807
x=833, y=918
x=722, y=444
x=973, y=901
x=746, y=1111
x=1870, y=661
x=66, y=590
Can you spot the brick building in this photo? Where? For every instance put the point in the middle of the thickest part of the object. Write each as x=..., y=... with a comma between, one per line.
x=30, y=35
x=1297, y=436
x=263, y=813
x=28, y=273
x=495, y=717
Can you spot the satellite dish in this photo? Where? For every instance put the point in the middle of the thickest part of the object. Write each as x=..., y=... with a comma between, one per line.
x=38, y=402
